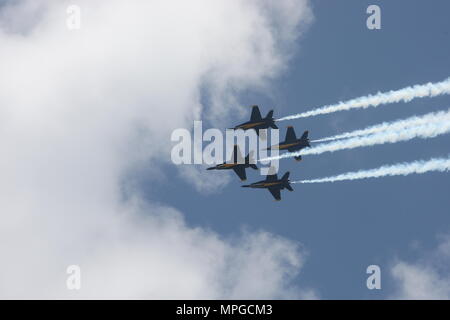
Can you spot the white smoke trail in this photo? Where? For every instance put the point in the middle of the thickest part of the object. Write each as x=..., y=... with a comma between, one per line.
x=395, y=125
x=405, y=95
x=404, y=169
x=429, y=130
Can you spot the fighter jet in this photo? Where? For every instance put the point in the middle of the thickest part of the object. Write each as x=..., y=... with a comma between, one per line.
x=257, y=122
x=238, y=165
x=291, y=143
x=274, y=185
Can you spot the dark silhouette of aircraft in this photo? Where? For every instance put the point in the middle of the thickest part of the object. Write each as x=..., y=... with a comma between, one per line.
x=292, y=144
x=238, y=165
x=274, y=185
x=257, y=122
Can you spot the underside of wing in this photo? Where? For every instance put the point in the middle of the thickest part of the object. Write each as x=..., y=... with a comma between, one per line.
x=240, y=171
x=275, y=192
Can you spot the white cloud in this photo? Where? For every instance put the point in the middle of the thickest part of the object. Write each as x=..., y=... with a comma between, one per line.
x=201, y=179
x=428, y=278
x=80, y=109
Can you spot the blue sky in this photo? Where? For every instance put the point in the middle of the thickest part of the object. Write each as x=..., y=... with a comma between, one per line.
x=347, y=226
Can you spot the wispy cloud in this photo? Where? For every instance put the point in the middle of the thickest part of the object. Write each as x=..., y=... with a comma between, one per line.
x=80, y=109
x=426, y=278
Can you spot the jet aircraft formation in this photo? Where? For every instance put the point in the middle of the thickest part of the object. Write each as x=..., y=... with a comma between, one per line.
x=291, y=143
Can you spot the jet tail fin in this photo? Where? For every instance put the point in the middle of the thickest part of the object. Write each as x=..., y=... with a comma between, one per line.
x=250, y=160
x=269, y=114
x=256, y=115
x=290, y=135
x=305, y=137
x=286, y=181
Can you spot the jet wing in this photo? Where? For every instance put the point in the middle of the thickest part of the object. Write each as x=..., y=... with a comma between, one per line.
x=295, y=148
x=256, y=115
x=275, y=192
x=240, y=171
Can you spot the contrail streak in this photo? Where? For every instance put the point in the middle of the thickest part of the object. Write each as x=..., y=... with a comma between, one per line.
x=403, y=169
x=395, y=125
x=406, y=94
x=428, y=130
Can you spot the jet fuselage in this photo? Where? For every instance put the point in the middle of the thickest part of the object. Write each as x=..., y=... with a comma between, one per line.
x=292, y=146
x=257, y=125
x=238, y=164
x=264, y=184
